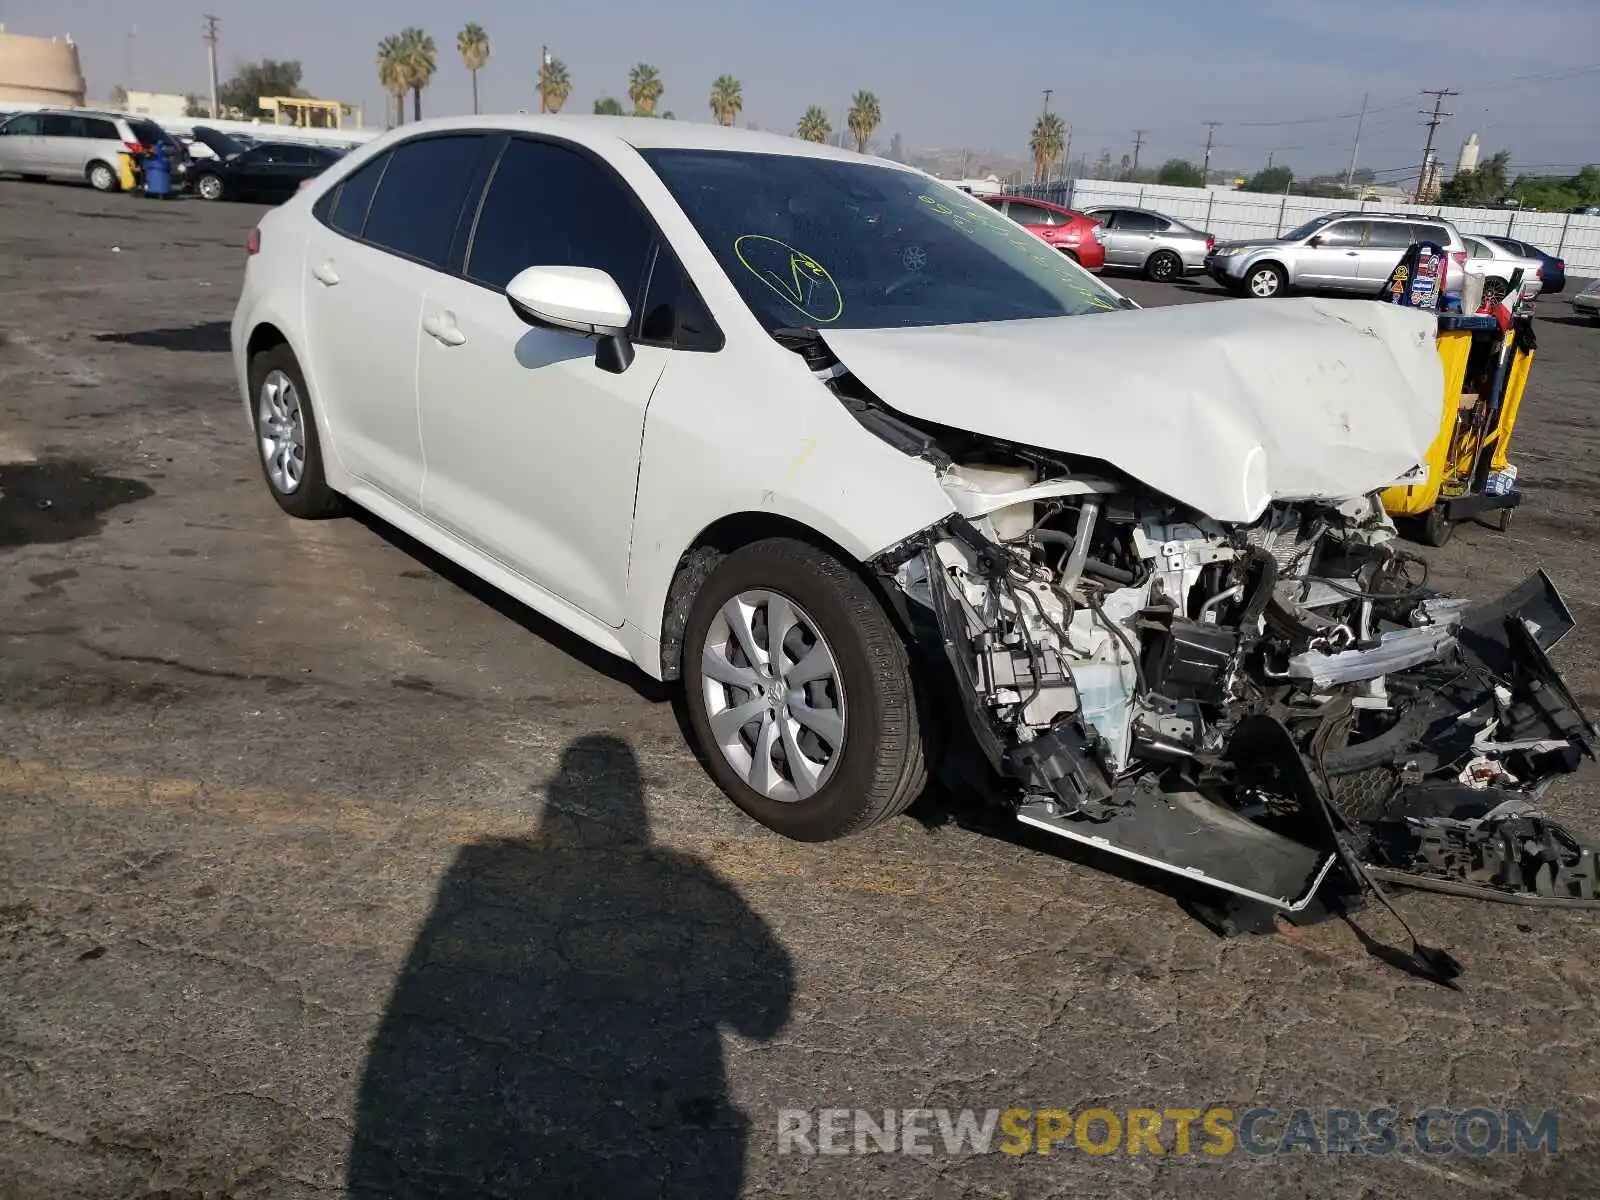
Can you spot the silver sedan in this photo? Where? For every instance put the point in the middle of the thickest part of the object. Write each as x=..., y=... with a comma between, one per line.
x=1587, y=302
x=1158, y=246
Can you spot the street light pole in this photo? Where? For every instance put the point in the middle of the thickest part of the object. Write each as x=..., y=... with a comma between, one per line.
x=544, y=67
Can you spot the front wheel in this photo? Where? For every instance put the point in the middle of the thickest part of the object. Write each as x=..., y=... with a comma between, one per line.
x=800, y=694
x=209, y=187
x=1266, y=281
x=1437, y=526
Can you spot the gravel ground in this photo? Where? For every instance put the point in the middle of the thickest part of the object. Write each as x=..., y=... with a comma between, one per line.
x=323, y=869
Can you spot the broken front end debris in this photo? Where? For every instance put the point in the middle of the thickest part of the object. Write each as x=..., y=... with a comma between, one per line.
x=1252, y=707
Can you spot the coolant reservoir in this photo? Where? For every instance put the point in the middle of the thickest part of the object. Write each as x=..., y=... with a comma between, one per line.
x=997, y=479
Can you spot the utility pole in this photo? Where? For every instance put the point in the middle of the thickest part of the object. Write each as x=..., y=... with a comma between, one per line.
x=1270, y=153
x=1205, y=169
x=1138, y=143
x=1360, y=121
x=1435, y=119
x=544, y=65
x=1048, y=92
x=210, y=39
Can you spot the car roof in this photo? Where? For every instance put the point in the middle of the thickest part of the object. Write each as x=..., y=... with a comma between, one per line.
x=1031, y=200
x=646, y=133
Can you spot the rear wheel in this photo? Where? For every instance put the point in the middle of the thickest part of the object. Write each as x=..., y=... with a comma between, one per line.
x=799, y=692
x=1164, y=266
x=1266, y=281
x=286, y=437
x=1073, y=255
x=102, y=178
x=1437, y=526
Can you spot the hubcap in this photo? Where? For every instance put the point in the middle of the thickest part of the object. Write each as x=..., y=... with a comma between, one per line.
x=774, y=695
x=282, y=432
x=211, y=187
x=1163, y=268
x=100, y=177
x=1264, y=283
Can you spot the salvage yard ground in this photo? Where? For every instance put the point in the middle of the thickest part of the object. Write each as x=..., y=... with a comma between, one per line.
x=312, y=849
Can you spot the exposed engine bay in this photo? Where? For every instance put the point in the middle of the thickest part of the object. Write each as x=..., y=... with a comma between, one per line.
x=1228, y=702
x=1262, y=706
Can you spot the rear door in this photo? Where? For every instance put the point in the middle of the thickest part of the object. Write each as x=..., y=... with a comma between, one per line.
x=1387, y=243
x=381, y=237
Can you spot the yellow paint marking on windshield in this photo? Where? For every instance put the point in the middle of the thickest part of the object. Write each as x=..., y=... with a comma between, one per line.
x=800, y=279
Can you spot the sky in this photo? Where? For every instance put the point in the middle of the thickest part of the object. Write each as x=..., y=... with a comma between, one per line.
x=1284, y=77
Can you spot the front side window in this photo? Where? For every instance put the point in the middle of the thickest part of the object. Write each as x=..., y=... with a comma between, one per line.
x=549, y=206
x=1301, y=232
x=23, y=125
x=419, y=200
x=1344, y=234
x=1031, y=214
x=817, y=242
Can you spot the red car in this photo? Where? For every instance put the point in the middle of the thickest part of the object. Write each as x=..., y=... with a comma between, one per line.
x=1079, y=237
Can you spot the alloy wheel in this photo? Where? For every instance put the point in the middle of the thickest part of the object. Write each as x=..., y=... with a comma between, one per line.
x=1265, y=283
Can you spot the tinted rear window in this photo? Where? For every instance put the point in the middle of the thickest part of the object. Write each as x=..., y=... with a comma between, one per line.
x=1437, y=234
x=420, y=198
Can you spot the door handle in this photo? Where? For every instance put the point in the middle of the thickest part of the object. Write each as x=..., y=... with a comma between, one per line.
x=325, y=274
x=442, y=328
x=1351, y=253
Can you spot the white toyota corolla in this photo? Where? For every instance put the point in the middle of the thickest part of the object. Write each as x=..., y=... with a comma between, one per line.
x=875, y=473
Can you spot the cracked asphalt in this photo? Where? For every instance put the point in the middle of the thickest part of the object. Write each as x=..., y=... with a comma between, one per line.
x=324, y=870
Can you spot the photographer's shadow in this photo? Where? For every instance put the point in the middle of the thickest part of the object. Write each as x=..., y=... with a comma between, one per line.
x=555, y=1029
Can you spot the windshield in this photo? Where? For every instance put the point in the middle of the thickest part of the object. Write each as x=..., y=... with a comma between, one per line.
x=843, y=245
x=1304, y=231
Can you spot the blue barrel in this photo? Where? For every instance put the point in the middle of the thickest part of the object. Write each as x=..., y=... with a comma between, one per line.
x=158, y=173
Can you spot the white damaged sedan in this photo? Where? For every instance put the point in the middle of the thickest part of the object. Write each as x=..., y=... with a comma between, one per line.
x=891, y=486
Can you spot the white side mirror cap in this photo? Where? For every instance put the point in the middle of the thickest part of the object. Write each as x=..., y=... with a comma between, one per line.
x=583, y=299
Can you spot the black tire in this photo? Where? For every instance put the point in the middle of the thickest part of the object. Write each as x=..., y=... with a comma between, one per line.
x=1073, y=255
x=102, y=177
x=209, y=182
x=311, y=498
x=1255, y=284
x=1437, y=526
x=1495, y=290
x=882, y=768
x=1163, y=266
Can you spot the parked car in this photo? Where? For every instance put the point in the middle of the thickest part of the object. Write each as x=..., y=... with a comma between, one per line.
x=269, y=171
x=1079, y=237
x=82, y=145
x=866, y=470
x=1340, y=252
x=1587, y=302
x=1497, y=265
x=1552, y=270
x=1159, y=246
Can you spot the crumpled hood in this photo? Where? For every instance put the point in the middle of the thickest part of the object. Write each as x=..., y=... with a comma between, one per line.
x=1224, y=407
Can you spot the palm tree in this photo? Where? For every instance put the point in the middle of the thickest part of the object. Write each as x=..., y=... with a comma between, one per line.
x=814, y=126
x=392, y=74
x=555, y=85
x=420, y=58
x=473, y=44
x=644, y=89
x=1049, y=136
x=727, y=99
x=863, y=117
x=608, y=106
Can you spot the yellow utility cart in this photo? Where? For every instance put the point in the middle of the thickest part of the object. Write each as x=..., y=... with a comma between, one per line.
x=1467, y=473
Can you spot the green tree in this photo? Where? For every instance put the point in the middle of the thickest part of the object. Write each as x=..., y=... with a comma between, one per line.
x=1485, y=185
x=473, y=45
x=1176, y=172
x=814, y=126
x=727, y=99
x=606, y=106
x=1046, y=143
x=251, y=81
x=419, y=57
x=392, y=74
x=193, y=106
x=644, y=89
x=555, y=85
x=1272, y=179
x=864, y=117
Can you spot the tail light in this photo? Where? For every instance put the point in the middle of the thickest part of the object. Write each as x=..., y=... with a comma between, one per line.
x=1211, y=243
x=1099, y=232
x=136, y=148
x=304, y=183
x=252, y=242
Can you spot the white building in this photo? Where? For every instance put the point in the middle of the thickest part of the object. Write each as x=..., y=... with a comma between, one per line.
x=160, y=105
x=1469, y=155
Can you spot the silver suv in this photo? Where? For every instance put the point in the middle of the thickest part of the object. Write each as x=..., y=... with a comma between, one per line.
x=1341, y=252
x=80, y=144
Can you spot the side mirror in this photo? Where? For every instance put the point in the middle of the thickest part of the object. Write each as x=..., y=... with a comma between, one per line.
x=583, y=300
x=1314, y=240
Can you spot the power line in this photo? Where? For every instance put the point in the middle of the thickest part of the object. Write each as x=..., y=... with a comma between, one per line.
x=1428, y=168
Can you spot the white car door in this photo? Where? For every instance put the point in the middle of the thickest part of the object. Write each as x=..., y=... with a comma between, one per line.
x=532, y=448
x=369, y=262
